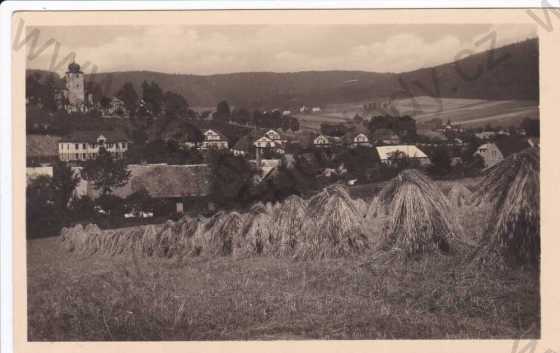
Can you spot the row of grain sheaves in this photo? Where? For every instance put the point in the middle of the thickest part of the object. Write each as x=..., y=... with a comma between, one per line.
x=410, y=216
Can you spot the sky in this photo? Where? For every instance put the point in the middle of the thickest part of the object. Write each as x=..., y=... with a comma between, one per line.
x=204, y=50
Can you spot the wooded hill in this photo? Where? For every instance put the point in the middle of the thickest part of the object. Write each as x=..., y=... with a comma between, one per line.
x=510, y=72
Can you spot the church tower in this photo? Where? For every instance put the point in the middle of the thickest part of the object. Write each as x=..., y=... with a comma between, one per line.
x=75, y=87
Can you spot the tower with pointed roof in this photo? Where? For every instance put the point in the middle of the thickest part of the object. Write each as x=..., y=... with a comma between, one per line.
x=75, y=87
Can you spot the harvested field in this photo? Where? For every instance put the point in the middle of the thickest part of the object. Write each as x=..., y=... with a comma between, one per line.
x=466, y=112
x=119, y=298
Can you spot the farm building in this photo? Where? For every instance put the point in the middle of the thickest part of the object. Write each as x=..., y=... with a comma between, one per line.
x=494, y=152
x=41, y=149
x=85, y=145
x=387, y=153
x=180, y=185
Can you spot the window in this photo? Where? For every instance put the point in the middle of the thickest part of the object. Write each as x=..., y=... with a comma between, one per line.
x=77, y=146
x=84, y=146
x=83, y=156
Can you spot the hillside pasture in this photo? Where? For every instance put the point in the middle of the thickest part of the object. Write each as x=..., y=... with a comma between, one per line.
x=468, y=113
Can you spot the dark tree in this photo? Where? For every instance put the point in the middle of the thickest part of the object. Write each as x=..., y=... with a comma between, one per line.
x=43, y=218
x=129, y=96
x=223, y=111
x=112, y=205
x=139, y=136
x=359, y=162
x=294, y=124
x=105, y=172
x=33, y=87
x=82, y=208
x=531, y=126
x=441, y=162
x=175, y=104
x=105, y=102
x=231, y=178
x=153, y=96
x=64, y=182
x=358, y=119
x=95, y=89
x=241, y=115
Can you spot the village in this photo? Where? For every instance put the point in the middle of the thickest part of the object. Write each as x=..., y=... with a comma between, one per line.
x=271, y=146
x=237, y=182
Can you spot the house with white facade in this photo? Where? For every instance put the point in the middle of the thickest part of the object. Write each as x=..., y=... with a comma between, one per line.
x=494, y=152
x=387, y=154
x=213, y=139
x=85, y=145
x=355, y=140
x=116, y=107
x=274, y=136
x=265, y=142
x=322, y=141
x=272, y=139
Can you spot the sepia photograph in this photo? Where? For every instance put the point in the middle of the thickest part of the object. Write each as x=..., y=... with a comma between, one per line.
x=296, y=181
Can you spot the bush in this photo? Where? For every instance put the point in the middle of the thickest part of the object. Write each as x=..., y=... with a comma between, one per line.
x=112, y=205
x=82, y=209
x=43, y=218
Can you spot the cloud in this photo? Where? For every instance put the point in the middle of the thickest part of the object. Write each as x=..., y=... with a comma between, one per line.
x=281, y=48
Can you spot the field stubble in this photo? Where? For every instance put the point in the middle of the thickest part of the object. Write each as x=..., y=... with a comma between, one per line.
x=111, y=298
